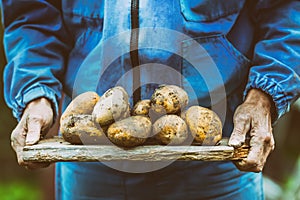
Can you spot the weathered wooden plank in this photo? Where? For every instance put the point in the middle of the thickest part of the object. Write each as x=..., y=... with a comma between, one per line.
x=54, y=150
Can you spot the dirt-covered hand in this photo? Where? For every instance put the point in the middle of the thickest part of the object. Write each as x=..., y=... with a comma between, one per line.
x=36, y=120
x=253, y=117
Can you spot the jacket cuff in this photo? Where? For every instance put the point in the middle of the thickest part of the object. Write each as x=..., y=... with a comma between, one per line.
x=35, y=93
x=274, y=90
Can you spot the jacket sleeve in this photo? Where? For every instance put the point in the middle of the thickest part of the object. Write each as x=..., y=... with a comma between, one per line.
x=276, y=61
x=36, y=47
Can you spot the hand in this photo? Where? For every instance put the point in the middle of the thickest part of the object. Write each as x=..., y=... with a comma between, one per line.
x=253, y=117
x=36, y=121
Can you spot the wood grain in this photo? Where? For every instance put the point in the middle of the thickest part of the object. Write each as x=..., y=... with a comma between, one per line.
x=56, y=149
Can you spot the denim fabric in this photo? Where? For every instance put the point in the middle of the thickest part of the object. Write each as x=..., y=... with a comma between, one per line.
x=181, y=180
x=49, y=46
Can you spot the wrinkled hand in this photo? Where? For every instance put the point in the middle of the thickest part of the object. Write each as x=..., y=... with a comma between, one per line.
x=36, y=121
x=253, y=116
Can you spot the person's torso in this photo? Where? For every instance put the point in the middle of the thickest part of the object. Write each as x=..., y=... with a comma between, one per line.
x=182, y=42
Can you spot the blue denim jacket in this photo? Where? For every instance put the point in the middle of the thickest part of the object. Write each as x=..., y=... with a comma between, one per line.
x=46, y=44
x=209, y=47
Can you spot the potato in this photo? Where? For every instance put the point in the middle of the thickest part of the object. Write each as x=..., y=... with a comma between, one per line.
x=112, y=106
x=130, y=132
x=169, y=99
x=126, y=113
x=170, y=129
x=81, y=129
x=204, y=124
x=142, y=108
x=82, y=104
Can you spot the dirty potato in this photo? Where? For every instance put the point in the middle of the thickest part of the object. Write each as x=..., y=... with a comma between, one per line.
x=126, y=113
x=141, y=108
x=82, y=104
x=170, y=129
x=169, y=99
x=112, y=106
x=81, y=129
x=130, y=132
x=204, y=124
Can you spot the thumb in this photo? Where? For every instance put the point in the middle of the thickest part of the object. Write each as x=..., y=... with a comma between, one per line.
x=33, y=130
x=242, y=124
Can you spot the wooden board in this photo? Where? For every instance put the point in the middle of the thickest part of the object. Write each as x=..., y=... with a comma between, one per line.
x=56, y=149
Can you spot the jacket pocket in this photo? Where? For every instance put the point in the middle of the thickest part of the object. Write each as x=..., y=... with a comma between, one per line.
x=209, y=10
x=210, y=65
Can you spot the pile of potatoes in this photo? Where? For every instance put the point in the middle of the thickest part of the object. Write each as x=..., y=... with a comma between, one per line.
x=165, y=119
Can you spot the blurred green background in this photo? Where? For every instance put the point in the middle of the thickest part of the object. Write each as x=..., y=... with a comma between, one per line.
x=282, y=172
x=16, y=183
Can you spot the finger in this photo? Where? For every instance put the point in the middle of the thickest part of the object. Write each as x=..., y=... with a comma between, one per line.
x=261, y=144
x=241, y=127
x=253, y=162
x=18, y=148
x=243, y=165
x=260, y=148
x=34, y=125
x=35, y=165
x=47, y=123
x=262, y=141
x=17, y=142
x=18, y=139
x=256, y=147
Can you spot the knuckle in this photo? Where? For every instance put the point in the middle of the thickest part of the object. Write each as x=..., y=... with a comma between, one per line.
x=273, y=146
x=237, y=131
x=263, y=136
x=265, y=112
x=241, y=118
x=15, y=133
x=15, y=136
x=13, y=145
x=272, y=141
x=34, y=118
x=267, y=137
x=38, y=119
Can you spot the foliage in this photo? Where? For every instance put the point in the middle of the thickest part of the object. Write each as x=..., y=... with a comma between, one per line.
x=16, y=190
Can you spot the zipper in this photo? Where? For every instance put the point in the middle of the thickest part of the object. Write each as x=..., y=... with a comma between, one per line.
x=134, y=52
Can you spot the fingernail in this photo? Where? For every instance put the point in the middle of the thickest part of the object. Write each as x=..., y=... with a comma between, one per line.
x=234, y=143
x=30, y=141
